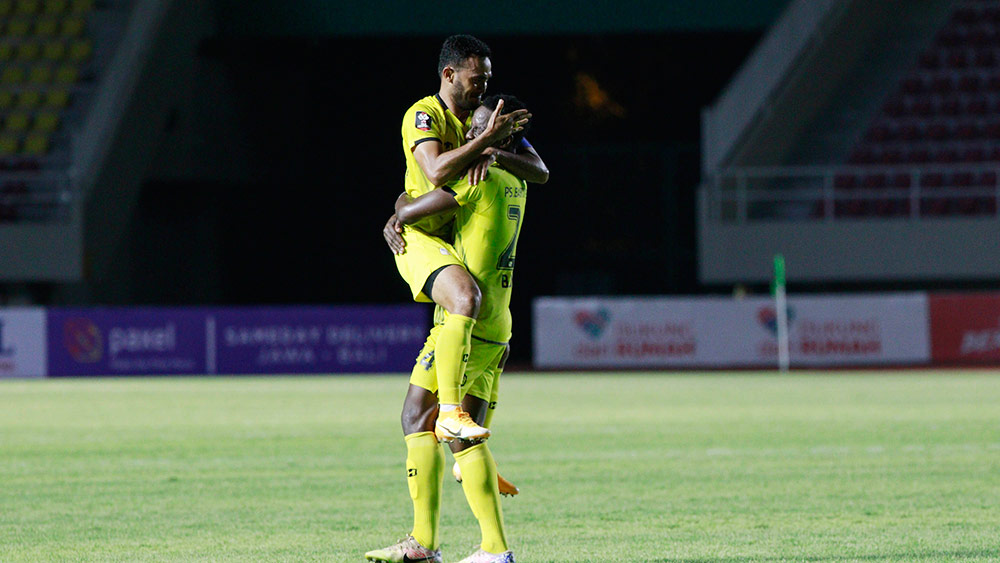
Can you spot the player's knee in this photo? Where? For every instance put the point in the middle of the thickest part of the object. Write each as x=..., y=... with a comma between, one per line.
x=467, y=301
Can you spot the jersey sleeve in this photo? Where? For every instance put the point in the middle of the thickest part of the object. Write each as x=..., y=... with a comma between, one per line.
x=464, y=193
x=421, y=124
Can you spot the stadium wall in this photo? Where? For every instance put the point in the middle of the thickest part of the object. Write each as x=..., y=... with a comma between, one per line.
x=891, y=329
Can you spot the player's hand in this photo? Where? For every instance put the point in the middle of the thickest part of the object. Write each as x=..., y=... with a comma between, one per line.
x=479, y=169
x=499, y=127
x=391, y=232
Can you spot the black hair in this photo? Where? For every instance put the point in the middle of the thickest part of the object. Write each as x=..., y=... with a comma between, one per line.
x=510, y=103
x=457, y=48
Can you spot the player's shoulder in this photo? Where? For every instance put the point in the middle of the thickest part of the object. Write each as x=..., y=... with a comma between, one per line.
x=428, y=104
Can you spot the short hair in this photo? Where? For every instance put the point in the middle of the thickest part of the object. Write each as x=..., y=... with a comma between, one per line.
x=457, y=48
x=510, y=103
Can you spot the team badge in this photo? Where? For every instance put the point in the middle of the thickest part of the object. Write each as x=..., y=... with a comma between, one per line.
x=423, y=121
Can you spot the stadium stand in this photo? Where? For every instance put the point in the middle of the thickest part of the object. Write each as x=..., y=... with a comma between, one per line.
x=51, y=52
x=942, y=122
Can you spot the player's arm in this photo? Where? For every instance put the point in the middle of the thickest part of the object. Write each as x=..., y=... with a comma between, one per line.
x=442, y=166
x=524, y=163
x=410, y=210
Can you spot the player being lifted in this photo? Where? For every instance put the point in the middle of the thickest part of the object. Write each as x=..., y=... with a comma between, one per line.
x=487, y=222
x=434, y=133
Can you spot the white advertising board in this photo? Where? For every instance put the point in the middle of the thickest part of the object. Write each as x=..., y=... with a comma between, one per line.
x=22, y=343
x=652, y=332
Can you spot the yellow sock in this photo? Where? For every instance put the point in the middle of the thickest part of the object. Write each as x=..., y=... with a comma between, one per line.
x=424, y=472
x=451, y=354
x=494, y=395
x=479, y=480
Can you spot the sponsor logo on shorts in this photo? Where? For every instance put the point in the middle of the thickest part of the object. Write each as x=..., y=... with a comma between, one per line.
x=427, y=360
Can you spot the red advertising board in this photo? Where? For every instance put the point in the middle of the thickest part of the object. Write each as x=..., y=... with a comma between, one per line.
x=965, y=328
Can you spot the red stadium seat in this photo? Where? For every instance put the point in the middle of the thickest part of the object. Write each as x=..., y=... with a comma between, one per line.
x=970, y=83
x=962, y=179
x=932, y=180
x=957, y=59
x=974, y=154
x=986, y=179
x=873, y=181
x=845, y=181
x=901, y=180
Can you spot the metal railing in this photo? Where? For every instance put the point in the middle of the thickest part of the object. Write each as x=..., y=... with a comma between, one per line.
x=820, y=193
x=36, y=197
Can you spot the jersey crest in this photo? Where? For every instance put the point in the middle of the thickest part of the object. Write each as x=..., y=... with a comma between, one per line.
x=423, y=121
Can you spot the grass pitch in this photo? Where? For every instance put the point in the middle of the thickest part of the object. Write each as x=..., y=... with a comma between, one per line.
x=612, y=467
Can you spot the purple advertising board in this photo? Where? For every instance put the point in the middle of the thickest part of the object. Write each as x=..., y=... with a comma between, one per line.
x=348, y=339
x=250, y=340
x=126, y=341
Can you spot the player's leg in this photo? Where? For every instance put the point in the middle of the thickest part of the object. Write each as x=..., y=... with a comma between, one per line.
x=479, y=472
x=484, y=417
x=424, y=465
x=454, y=289
x=434, y=272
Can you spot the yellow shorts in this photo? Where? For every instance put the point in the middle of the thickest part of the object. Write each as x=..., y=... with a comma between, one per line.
x=481, y=372
x=423, y=256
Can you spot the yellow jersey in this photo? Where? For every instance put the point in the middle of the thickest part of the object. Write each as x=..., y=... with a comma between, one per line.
x=429, y=120
x=487, y=226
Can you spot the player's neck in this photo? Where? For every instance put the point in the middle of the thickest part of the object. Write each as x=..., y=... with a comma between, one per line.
x=452, y=106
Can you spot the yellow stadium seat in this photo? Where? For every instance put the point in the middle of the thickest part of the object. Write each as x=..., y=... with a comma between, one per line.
x=29, y=51
x=46, y=27
x=17, y=121
x=6, y=51
x=36, y=144
x=73, y=27
x=80, y=50
x=55, y=7
x=67, y=74
x=6, y=99
x=54, y=51
x=8, y=145
x=40, y=74
x=12, y=75
x=82, y=6
x=46, y=121
x=27, y=7
x=29, y=99
x=6, y=6
x=57, y=98
x=18, y=27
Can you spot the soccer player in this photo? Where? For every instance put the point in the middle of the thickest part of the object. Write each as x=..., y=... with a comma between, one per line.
x=433, y=132
x=488, y=219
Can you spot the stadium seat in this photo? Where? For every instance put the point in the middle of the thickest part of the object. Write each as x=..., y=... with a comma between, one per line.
x=48, y=121
x=17, y=122
x=36, y=144
x=40, y=74
x=9, y=144
x=55, y=51
x=57, y=98
x=46, y=27
x=18, y=28
x=55, y=7
x=29, y=99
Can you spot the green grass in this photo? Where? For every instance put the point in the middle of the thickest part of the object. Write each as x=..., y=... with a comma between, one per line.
x=637, y=467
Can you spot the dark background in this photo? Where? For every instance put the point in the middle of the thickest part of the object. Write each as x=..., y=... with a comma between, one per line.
x=318, y=121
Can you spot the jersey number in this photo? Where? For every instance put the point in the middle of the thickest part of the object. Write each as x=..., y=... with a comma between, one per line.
x=506, y=261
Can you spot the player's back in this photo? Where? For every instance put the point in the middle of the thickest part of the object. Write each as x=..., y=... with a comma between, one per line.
x=487, y=227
